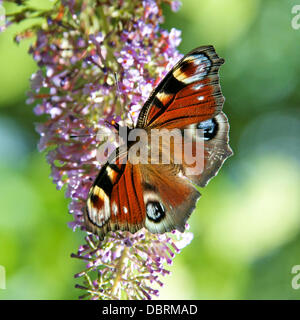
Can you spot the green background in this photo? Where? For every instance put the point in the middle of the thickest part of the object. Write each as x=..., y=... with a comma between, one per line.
x=247, y=223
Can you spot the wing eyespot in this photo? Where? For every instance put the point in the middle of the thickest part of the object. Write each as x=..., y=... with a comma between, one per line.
x=155, y=211
x=210, y=128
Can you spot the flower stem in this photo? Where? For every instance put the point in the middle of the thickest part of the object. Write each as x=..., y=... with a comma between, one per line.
x=119, y=271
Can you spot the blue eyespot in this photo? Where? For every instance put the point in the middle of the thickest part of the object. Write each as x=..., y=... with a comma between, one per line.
x=209, y=127
x=155, y=211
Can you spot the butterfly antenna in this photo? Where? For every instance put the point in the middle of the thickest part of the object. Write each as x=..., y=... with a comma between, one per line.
x=118, y=92
x=72, y=136
x=117, y=84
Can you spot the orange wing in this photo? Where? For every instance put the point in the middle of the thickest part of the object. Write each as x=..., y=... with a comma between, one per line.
x=190, y=92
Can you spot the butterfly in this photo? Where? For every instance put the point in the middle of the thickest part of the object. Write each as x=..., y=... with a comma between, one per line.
x=161, y=197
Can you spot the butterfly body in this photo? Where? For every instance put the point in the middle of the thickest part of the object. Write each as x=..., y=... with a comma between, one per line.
x=161, y=196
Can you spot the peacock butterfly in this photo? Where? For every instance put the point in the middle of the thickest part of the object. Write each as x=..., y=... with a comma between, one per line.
x=160, y=196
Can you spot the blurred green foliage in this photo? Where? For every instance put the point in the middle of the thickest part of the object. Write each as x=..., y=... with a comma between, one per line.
x=247, y=223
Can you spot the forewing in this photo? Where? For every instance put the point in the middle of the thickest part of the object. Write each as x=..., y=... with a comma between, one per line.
x=115, y=200
x=190, y=97
x=190, y=92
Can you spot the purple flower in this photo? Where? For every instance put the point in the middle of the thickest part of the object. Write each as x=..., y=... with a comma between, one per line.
x=76, y=89
x=174, y=37
x=176, y=5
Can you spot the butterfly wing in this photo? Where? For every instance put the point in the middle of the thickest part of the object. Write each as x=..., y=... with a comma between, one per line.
x=169, y=198
x=190, y=97
x=213, y=146
x=189, y=93
x=129, y=197
x=115, y=200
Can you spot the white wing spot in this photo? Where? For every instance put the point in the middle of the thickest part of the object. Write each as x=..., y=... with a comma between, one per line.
x=125, y=210
x=114, y=208
x=198, y=86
